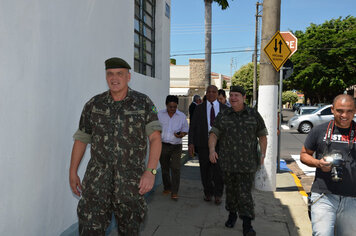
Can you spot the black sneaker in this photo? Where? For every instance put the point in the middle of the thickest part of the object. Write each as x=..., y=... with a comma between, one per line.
x=230, y=223
x=249, y=232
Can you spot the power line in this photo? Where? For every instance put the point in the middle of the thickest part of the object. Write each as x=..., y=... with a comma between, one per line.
x=317, y=49
x=203, y=25
x=202, y=49
x=212, y=31
x=251, y=50
x=202, y=53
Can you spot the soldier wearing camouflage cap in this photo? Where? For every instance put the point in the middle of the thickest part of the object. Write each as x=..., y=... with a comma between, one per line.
x=239, y=129
x=116, y=124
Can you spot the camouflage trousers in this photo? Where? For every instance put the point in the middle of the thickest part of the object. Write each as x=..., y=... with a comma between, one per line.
x=95, y=215
x=239, y=193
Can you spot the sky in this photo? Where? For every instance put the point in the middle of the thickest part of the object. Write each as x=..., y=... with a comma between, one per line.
x=233, y=29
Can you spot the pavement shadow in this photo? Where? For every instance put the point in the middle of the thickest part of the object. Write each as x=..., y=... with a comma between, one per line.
x=190, y=215
x=287, y=189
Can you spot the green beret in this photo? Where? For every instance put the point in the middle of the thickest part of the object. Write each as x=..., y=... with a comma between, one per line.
x=115, y=62
x=238, y=89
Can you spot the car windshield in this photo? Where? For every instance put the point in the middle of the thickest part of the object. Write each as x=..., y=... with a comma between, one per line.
x=317, y=110
x=306, y=111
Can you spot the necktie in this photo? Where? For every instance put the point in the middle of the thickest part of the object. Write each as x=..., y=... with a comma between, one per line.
x=212, y=114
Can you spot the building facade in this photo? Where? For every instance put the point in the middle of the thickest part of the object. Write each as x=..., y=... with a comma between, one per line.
x=51, y=63
x=188, y=80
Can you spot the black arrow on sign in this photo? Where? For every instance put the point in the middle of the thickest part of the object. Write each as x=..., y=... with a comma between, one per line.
x=275, y=45
x=280, y=46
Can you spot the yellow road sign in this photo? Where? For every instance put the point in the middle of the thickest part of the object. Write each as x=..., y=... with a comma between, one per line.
x=277, y=51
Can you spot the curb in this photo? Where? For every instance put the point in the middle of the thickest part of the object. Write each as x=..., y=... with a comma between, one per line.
x=300, y=187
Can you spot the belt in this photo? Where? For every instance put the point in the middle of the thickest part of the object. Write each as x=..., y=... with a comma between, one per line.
x=169, y=144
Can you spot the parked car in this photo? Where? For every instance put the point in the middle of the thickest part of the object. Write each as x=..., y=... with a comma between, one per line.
x=304, y=123
x=303, y=110
x=319, y=104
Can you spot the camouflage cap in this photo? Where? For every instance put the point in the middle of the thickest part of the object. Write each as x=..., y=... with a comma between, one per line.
x=238, y=89
x=115, y=62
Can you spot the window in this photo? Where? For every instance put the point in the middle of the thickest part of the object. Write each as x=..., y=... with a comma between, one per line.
x=144, y=37
x=327, y=111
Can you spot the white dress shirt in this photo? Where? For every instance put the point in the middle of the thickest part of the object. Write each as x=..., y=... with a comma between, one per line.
x=208, y=108
x=170, y=125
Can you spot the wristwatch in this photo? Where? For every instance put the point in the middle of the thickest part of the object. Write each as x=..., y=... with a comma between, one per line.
x=153, y=171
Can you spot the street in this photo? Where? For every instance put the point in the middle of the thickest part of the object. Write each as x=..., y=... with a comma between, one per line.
x=291, y=144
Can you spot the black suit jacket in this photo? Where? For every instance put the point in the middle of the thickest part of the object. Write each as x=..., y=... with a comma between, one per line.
x=191, y=110
x=198, y=128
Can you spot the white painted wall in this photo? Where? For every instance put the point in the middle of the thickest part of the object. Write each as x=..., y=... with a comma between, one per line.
x=180, y=75
x=179, y=79
x=179, y=83
x=51, y=63
x=217, y=81
x=180, y=71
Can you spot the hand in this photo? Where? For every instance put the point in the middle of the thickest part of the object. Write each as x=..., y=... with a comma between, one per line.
x=74, y=182
x=191, y=150
x=324, y=165
x=146, y=182
x=178, y=135
x=262, y=159
x=213, y=156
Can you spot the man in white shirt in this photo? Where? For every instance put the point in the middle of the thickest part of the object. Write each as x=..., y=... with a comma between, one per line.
x=222, y=97
x=174, y=128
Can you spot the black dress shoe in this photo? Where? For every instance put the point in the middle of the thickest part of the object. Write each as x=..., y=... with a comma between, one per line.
x=249, y=232
x=230, y=223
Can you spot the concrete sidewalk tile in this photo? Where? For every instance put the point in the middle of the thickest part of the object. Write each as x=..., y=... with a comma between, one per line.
x=219, y=232
x=270, y=227
x=176, y=230
x=280, y=213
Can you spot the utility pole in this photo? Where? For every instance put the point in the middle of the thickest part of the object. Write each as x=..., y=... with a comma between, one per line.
x=208, y=28
x=254, y=100
x=233, y=66
x=268, y=95
x=232, y=59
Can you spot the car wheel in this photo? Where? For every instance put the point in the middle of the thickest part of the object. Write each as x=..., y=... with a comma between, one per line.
x=305, y=127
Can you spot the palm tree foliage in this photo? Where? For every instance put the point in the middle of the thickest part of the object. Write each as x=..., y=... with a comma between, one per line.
x=223, y=4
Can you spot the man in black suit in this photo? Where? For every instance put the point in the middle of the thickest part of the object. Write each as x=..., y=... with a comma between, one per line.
x=196, y=101
x=200, y=126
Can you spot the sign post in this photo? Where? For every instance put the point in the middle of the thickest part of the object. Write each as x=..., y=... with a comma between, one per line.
x=277, y=51
x=291, y=41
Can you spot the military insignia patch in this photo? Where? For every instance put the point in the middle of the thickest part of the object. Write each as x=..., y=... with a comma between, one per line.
x=154, y=109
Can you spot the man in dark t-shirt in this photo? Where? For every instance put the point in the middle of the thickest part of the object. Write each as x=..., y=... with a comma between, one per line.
x=333, y=209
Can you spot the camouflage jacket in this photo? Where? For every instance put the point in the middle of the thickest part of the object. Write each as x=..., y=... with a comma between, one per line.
x=117, y=132
x=237, y=133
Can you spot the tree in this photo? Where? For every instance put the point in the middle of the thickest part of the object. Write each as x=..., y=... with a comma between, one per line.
x=325, y=63
x=224, y=84
x=223, y=4
x=289, y=96
x=173, y=61
x=244, y=78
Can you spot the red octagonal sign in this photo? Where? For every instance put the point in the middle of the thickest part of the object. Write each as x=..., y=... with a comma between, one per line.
x=291, y=41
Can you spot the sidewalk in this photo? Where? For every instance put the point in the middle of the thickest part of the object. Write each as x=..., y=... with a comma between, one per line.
x=279, y=213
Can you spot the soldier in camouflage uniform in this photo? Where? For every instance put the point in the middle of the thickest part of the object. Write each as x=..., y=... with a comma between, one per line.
x=238, y=129
x=116, y=123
